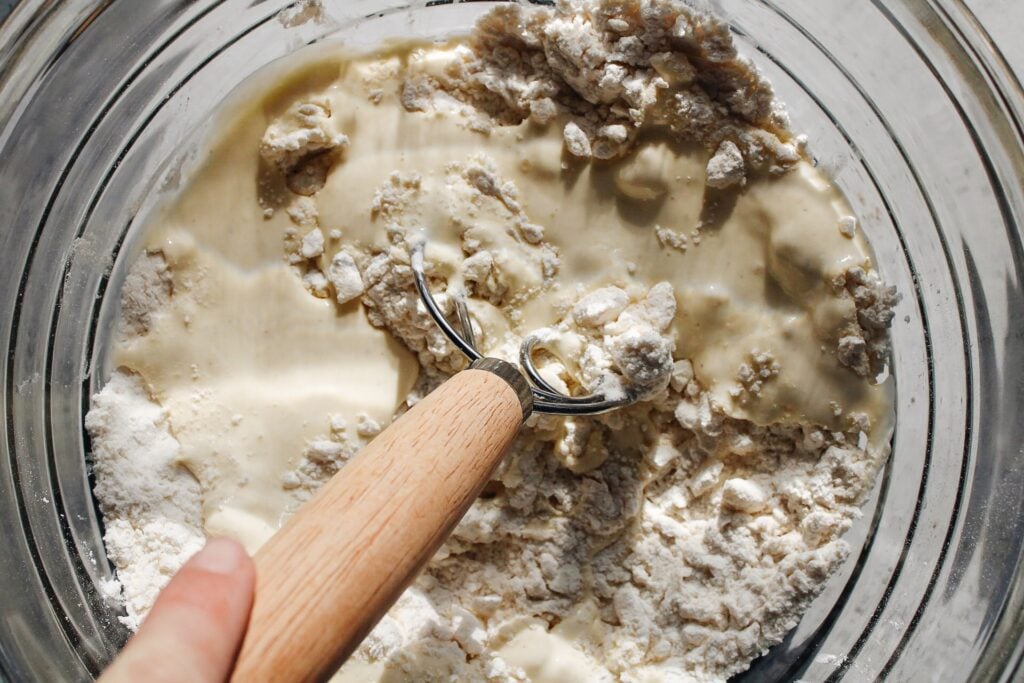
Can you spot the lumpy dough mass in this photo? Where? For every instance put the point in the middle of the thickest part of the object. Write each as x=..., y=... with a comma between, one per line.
x=609, y=175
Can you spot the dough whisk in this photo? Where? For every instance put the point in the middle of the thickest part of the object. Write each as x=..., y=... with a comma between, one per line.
x=327, y=577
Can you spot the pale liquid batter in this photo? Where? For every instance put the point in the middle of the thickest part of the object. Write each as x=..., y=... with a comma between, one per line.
x=251, y=366
x=284, y=359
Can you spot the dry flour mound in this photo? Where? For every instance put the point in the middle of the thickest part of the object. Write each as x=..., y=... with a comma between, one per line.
x=608, y=68
x=150, y=503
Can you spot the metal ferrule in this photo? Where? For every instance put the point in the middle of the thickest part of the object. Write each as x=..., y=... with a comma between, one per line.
x=512, y=376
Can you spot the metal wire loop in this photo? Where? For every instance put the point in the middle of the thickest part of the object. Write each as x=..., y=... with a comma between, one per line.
x=546, y=399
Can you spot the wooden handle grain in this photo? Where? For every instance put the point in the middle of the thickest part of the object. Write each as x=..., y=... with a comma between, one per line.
x=329, y=575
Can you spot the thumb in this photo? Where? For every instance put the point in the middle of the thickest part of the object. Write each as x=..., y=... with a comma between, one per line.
x=196, y=626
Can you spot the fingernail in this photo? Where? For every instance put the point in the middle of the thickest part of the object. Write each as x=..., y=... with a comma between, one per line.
x=218, y=556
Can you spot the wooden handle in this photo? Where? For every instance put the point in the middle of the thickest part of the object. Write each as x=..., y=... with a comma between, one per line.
x=332, y=571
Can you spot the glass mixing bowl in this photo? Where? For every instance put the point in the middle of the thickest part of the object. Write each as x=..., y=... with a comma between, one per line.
x=908, y=105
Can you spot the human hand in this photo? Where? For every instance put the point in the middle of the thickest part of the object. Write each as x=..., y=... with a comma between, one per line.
x=196, y=625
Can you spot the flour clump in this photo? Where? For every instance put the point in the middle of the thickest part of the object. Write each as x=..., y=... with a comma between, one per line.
x=150, y=503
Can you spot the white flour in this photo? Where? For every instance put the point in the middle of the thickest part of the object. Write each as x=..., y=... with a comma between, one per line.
x=667, y=541
x=150, y=503
x=604, y=65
